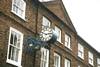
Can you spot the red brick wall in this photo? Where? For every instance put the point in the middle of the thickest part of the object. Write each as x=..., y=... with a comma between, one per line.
x=28, y=28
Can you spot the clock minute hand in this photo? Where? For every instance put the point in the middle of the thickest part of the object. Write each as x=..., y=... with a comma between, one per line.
x=46, y=33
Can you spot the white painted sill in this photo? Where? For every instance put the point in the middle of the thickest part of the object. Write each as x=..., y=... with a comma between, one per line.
x=18, y=64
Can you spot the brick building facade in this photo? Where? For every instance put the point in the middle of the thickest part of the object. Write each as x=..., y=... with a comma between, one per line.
x=20, y=19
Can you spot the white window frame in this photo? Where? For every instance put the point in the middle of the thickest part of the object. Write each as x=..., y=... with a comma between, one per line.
x=9, y=60
x=80, y=51
x=58, y=32
x=67, y=41
x=57, y=60
x=18, y=8
x=44, y=57
x=98, y=62
x=90, y=58
x=46, y=22
x=67, y=63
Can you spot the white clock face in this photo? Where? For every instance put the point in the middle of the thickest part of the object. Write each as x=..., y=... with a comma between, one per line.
x=46, y=34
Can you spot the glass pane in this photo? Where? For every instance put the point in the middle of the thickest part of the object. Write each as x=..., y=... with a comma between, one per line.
x=15, y=1
x=15, y=40
x=16, y=54
x=11, y=38
x=21, y=12
x=15, y=8
x=13, y=53
x=58, y=31
x=22, y=4
x=46, y=22
x=9, y=56
x=18, y=3
x=18, y=40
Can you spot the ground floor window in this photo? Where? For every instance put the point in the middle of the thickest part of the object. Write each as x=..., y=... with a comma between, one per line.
x=44, y=57
x=15, y=42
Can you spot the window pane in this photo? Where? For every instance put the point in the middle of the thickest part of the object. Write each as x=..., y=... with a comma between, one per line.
x=15, y=40
x=18, y=40
x=11, y=38
x=67, y=41
x=58, y=31
x=13, y=53
x=16, y=54
x=46, y=22
x=9, y=56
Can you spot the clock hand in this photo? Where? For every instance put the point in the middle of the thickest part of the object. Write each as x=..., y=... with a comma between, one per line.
x=46, y=33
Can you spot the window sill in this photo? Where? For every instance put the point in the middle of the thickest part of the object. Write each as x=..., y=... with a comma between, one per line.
x=13, y=63
x=82, y=59
x=59, y=42
x=91, y=64
x=68, y=48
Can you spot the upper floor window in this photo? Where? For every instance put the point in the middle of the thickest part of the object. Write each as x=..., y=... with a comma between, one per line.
x=46, y=22
x=80, y=51
x=56, y=60
x=67, y=41
x=18, y=8
x=45, y=0
x=90, y=58
x=44, y=57
x=67, y=63
x=15, y=47
x=58, y=31
x=98, y=62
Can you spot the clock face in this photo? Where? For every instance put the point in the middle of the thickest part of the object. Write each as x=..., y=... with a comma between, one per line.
x=46, y=34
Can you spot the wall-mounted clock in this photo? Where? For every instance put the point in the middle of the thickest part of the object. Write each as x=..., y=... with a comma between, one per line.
x=46, y=33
